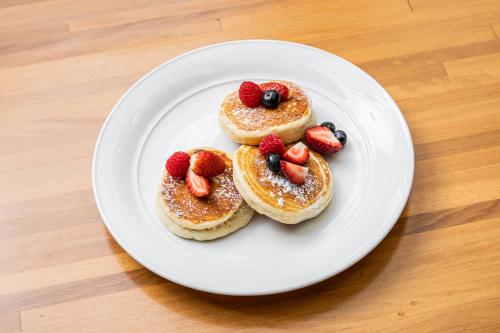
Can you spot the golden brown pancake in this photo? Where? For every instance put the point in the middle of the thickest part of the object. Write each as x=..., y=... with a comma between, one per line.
x=249, y=125
x=272, y=194
x=200, y=213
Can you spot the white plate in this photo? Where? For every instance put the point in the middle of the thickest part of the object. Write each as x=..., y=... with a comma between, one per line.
x=175, y=107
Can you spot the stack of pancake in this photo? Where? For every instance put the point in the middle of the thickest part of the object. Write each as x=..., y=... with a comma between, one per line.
x=268, y=193
x=249, y=185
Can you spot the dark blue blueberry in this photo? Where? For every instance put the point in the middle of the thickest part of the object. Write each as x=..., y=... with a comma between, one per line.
x=329, y=125
x=341, y=136
x=273, y=162
x=271, y=99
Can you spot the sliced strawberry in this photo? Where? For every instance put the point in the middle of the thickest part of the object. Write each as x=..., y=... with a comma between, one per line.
x=322, y=140
x=295, y=173
x=207, y=164
x=199, y=186
x=298, y=154
x=279, y=87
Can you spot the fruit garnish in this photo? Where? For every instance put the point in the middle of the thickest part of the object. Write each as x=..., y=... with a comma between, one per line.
x=250, y=94
x=280, y=88
x=298, y=154
x=207, y=164
x=341, y=136
x=330, y=125
x=177, y=164
x=322, y=140
x=198, y=185
x=295, y=173
x=273, y=162
x=272, y=144
x=271, y=99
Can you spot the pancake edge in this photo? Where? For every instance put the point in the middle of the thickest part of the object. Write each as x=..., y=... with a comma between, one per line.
x=237, y=221
x=288, y=132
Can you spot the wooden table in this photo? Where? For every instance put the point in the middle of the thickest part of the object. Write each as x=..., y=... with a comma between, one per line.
x=63, y=65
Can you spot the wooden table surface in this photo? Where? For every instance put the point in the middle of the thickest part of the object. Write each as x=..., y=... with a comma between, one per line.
x=63, y=65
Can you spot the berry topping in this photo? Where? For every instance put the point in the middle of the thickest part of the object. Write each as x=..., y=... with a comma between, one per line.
x=330, y=125
x=177, y=164
x=322, y=140
x=272, y=144
x=295, y=173
x=341, y=136
x=271, y=99
x=280, y=88
x=250, y=94
x=273, y=162
x=197, y=185
x=207, y=164
x=298, y=154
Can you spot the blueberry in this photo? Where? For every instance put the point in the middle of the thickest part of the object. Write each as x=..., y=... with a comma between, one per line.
x=329, y=125
x=271, y=99
x=341, y=136
x=273, y=162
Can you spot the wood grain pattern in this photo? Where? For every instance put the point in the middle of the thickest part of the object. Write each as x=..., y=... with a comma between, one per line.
x=63, y=65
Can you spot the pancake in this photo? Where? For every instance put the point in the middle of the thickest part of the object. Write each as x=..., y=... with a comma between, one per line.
x=273, y=195
x=239, y=219
x=191, y=217
x=248, y=126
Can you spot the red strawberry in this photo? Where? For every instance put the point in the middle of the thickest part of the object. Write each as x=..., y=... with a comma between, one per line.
x=322, y=140
x=295, y=173
x=177, y=164
x=272, y=144
x=207, y=164
x=197, y=185
x=250, y=94
x=280, y=88
x=298, y=154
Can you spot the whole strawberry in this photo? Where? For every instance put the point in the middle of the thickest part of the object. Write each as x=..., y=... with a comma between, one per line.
x=250, y=94
x=280, y=88
x=207, y=164
x=272, y=144
x=178, y=164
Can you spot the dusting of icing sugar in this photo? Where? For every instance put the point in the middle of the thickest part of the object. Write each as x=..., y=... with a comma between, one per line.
x=255, y=118
x=223, y=197
x=249, y=115
x=283, y=186
x=226, y=188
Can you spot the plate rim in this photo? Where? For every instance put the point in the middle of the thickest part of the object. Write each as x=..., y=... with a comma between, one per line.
x=360, y=255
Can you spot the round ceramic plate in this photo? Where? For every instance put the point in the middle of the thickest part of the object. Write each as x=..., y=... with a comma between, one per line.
x=175, y=107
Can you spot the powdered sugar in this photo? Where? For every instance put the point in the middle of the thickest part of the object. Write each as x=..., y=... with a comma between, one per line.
x=259, y=117
x=249, y=116
x=282, y=186
x=226, y=188
x=223, y=197
x=280, y=182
